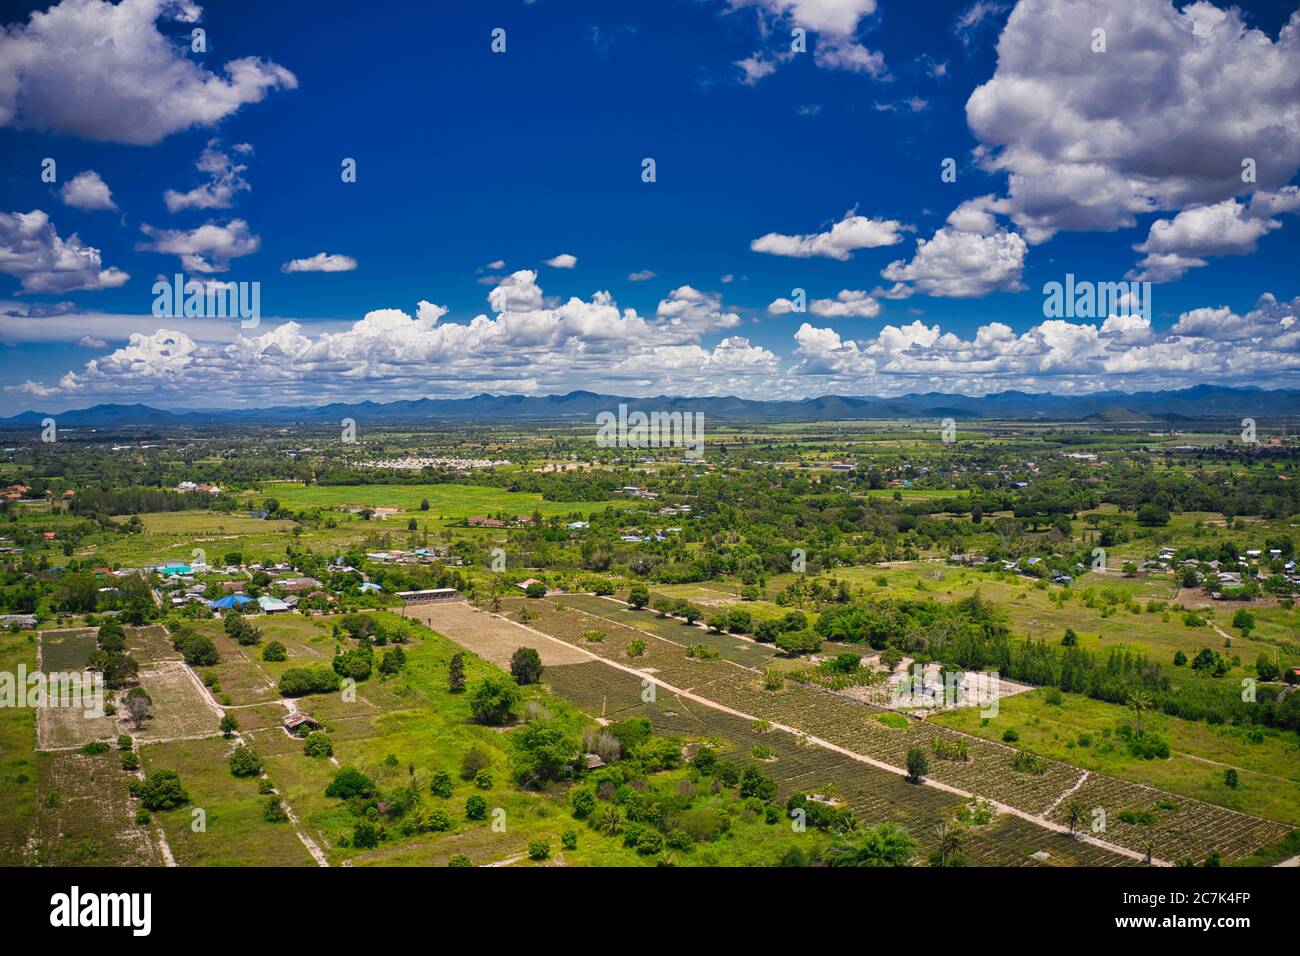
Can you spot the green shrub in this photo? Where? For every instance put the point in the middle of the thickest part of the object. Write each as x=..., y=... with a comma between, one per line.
x=244, y=763
x=476, y=808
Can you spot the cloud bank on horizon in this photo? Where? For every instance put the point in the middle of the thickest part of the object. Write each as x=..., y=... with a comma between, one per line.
x=1129, y=141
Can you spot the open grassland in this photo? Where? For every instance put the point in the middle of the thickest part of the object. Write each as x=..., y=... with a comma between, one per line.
x=19, y=762
x=233, y=832
x=215, y=523
x=447, y=501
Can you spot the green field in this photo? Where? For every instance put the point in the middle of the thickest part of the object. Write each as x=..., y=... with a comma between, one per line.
x=445, y=501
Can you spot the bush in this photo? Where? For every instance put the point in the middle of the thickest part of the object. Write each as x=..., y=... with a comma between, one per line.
x=803, y=641
x=476, y=808
x=273, y=811
x=245, y=763
x=365, y=836
x=539, y=850
x=1028, y=763
x=459, y=860
x=393, y=661
x=475, y=759
x=679, y=839
x=526, y=666
x=124, y=742
x=275, y=651
x=755, y=783
x=300, y=681
x=494, y=700
x=649, y=842
x=348, y=783
x=162, y=790
x=636, y=647
x=535, y=590
x=583, y=802
x=198, y=650
x=917, y=765
x=1010, y=735
x=130, y=761
x=483, y=779
x=440, y=785
x=569, y=839
x=318, y=744
x=438, y=821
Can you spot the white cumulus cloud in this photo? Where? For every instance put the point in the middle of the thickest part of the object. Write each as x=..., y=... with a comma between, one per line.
x=104, y=71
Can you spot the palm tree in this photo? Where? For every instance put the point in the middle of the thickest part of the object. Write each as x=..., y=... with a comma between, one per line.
x=950, y=840
x=1139, y=701
x=611, y=821
x=1074, y=816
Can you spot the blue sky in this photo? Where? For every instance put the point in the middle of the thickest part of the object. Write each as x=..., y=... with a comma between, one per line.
x=475, y=167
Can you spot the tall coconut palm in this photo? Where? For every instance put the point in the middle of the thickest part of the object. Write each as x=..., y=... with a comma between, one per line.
x=1139, y=701
x=1074, y=816
x=950, y=840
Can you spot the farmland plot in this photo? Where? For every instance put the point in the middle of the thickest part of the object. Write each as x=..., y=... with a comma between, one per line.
x=233, y=832
x=1181, y=827
x=150, y=644
x=180, y=708
x=66, y=650
x=488, y=636
x=85, y=815
x=730, y=647
x=988, y=769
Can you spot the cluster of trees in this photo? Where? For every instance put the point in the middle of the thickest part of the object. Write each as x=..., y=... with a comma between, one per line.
x=110, y=657
x=313, y=679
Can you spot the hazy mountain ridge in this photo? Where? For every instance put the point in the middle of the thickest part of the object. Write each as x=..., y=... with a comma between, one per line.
x=1201, y=401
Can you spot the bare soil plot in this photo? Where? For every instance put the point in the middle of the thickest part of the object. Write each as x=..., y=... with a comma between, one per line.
x=179, y=706
x=490, y=637
x=151, y=644
x=86, y=817
x=63, y=728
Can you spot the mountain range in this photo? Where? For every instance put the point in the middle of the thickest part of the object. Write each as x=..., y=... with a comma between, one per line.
x=1198, y=402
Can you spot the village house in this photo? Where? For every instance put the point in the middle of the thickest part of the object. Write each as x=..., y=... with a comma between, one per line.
x=294, y=585
x=297, y=724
